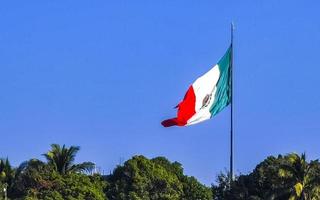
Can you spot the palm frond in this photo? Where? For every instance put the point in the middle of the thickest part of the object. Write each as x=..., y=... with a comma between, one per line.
x=83, y=167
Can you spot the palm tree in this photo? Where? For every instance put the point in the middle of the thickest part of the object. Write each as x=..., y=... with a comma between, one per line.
x=62, y=159
x=303, y=176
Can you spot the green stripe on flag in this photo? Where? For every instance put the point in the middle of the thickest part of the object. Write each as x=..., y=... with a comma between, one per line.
x=223, y=92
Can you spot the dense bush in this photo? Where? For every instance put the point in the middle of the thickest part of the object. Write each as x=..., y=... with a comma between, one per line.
x=70, y=187
x=37, y=180
x=284, y=177
x=141, y=178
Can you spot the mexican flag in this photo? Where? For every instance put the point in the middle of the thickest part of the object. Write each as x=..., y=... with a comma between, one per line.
x=207, y=96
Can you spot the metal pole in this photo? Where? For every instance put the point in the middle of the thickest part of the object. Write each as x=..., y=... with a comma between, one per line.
x=231, y=114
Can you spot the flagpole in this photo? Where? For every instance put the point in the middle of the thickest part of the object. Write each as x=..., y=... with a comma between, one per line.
x=231, y=113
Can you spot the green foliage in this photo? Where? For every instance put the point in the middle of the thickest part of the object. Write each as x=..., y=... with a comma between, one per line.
x=192, y=189
x=285, y=177
x=6, y=172
x=303, y=176
x=59, y=178
x=289, y=177
x=71, y=187
x=144, y=179
x=62, y=159
x=32, y=175
x=42, y=182
x=6, y=176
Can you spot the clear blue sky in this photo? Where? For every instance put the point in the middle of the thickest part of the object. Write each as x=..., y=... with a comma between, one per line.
x=103, y=74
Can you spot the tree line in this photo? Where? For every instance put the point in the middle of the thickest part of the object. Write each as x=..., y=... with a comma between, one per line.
x=285, y=177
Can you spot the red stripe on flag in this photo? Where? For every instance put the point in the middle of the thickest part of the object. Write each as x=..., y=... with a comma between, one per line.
x=186, y=109
x=170, y=122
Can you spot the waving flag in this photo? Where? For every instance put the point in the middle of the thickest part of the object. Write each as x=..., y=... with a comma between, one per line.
x=207, y=96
